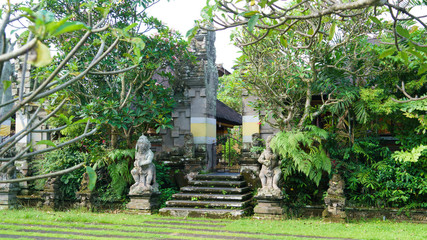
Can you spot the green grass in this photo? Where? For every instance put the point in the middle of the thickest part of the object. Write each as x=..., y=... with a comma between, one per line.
x=87, y=225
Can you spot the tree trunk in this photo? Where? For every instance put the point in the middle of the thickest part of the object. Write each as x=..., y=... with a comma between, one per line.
x=114, y=134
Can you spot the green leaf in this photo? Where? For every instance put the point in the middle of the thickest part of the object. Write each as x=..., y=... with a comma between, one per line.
x=28, y=10
x=416, y=54
x=332, y=31
x=248, y=13
x=92, y=178
x=375, y=20
x=103, y=10
x=422, y=69
x=320, y=37
x=421, y=48
x=130, y=27
x=46, y=142
x=138, y=42
x=252, y=22
x=69, y=27
x=42, y=57
x=402, y=31
x=404, y=56
x=65, y=119
x=6, y=85
x=386, y=53
x=284, y=41
x=192, y=32
x=311, y=31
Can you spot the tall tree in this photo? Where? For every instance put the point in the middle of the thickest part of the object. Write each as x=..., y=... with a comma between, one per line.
x=93, y=37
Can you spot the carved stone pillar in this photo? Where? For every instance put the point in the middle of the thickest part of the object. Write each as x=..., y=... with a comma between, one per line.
x=51, y=196
x=335, y=201
x=84, y=195
x=8, y=191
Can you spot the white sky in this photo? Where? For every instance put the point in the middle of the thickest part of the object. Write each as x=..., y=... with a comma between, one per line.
x=180, y=15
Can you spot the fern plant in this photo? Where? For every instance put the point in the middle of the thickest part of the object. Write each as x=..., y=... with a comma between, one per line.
x=305, y=150
x=118, y=163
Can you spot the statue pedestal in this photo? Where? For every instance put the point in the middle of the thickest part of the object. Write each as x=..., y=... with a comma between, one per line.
x=145, y=202
x=269, y=207
x=334, y=211
x=8, y=198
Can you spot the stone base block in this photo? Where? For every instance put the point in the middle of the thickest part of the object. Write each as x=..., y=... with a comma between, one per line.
x=145, y=203
x=50, y=200
x=337, y=217
x=8, y=200
x=85, y=200
x=269, y=209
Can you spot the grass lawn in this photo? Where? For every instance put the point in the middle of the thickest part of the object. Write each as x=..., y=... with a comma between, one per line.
x=36, y=224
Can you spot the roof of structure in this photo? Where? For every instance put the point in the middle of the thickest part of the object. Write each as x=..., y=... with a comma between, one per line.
x=225, y=114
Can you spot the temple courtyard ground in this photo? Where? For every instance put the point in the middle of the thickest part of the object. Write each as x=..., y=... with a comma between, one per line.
x=36, y=224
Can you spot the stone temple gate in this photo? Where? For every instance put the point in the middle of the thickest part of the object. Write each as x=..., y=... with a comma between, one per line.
x=194, y=117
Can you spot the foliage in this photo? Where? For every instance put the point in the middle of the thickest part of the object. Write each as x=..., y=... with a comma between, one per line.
x=166, y=185
x=387, y=183
x=128, y=91
x=305, y=151
x=230, y=91
x=62, y=159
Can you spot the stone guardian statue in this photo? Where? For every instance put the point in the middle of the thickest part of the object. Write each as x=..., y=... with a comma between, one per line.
x=144, y=171
x=270, y=172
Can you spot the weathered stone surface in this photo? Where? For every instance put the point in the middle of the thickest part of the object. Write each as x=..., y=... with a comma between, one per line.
x=84, y=195
x=208, y=213
x=144, y=203
x=8, y=191
x=221, y=195
x=335, y=200
x=250, y=168
x=51, y=195
x=210, y=196
x=8, y=200
x=269, y=208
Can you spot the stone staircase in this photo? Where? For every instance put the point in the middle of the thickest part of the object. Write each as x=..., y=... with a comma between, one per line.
x=217, y=195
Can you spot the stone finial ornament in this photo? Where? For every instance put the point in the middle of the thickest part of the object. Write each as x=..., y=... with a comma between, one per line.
x=270, y=172
x=144, y=171
x=335, y=200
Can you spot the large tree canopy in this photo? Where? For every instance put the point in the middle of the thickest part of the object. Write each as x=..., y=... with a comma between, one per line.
x=93, y=41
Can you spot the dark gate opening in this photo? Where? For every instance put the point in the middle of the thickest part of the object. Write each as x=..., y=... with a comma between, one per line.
x=229, y=152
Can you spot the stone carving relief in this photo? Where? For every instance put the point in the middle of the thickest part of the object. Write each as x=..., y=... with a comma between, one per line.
x=144, y=171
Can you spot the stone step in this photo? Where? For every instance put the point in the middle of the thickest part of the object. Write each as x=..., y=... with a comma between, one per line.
x=207, y=204
x=203, y=212
x=219, y=177
x=223, y=190
x=219, y=197
x=209, y=183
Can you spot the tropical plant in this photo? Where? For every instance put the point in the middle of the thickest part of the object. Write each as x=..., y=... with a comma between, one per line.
x=305, y=152
x=230, y=91
x=58, y=160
